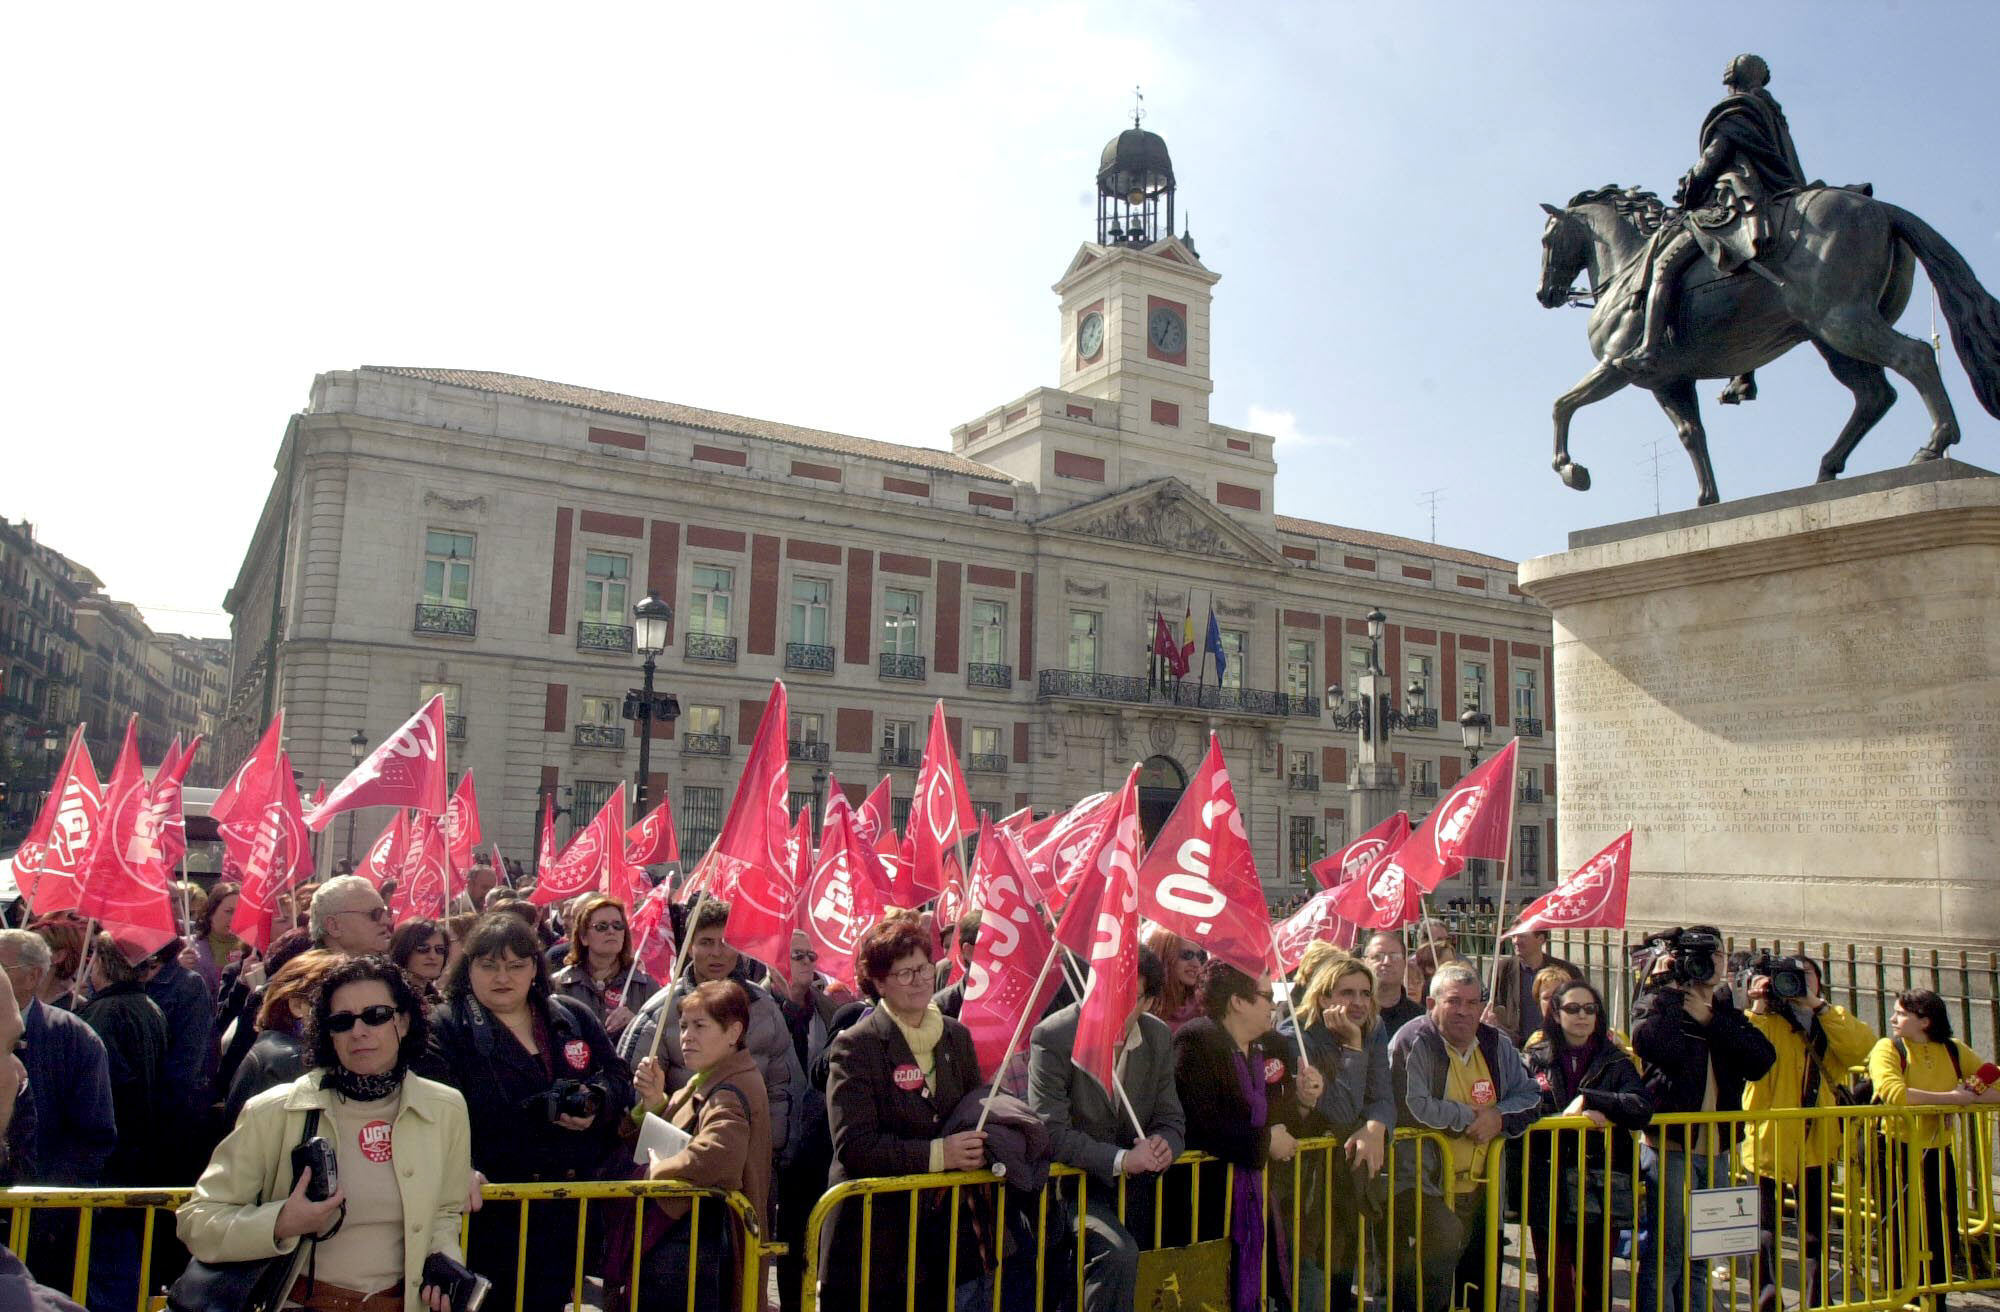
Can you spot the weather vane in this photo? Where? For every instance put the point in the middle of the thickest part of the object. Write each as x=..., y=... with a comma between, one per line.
x=1138, y=105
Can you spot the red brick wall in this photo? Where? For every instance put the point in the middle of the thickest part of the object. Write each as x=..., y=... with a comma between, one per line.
x=989, y=500
x=1549, y=852
x=1332, y=765
x=1392, y=659
x=1071, y=464
x=1503, y=692
x=714, y=539
x=763, y=595
x=824, y=473
x=663, y=564
x=1416, y=572
x=854, y=729
x=817, y=553
x=1306, y=554
x=1026, y=665
x=1243, y=498
x=945, y=639
x=986, y=576
x=559, y=572
x=605, y=523
x=909, y=487
x=914, y=566
x=860, y=604
x=1166, y=413
x=555, y=708
x=613, y=437
x=1450, y=769
x=747, y=715
x=1449, y=706
x=1020, y=742
x=720, y=455
x=1358, y=562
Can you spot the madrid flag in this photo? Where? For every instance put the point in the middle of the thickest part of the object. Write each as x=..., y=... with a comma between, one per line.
x=1470, y=822
x=1199, y=879
x=49, y=859
x=407, y=770
x=581, y=867
x=1592, y=898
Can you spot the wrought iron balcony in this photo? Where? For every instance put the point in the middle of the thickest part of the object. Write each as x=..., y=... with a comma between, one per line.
x=805, y=656
x=986, y=763
x=1531, y=791
x=1424, y=788
x=454, y=621
x=896, y=665
x=610, y=737
x=591, y=635
x=1424, y=719
x=1527, y=726
x=907, y=758
x=454, y=727
x=809, y=751
x=704, y=744
x=709, y=647
x=1077, y=685
x=1304, y=783
x=979, y=674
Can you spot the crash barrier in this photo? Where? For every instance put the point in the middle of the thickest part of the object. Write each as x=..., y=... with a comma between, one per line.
x=1852, y=1209
x=143, y=1221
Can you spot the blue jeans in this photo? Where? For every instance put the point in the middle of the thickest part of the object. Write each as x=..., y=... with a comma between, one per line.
x=1663, y=1236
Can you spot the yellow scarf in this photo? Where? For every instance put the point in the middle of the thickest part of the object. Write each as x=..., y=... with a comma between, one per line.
x=923, y=1040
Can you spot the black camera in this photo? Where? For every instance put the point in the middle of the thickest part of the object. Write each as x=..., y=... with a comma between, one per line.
x=566, y=1098
x=317, y=1156
x=1787, y=976
x=1689, y=953
x=466, y=1289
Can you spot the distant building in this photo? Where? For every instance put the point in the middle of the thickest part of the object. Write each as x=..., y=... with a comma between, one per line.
x=485, y=536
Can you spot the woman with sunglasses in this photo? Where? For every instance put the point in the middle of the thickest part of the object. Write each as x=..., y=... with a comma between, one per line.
x=419, y=947
x=598, y=970
x=1179, y=1002
x=402, y=1146
x=1582, y=1072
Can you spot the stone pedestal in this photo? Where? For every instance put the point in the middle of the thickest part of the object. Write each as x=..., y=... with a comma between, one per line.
x=1795, y=700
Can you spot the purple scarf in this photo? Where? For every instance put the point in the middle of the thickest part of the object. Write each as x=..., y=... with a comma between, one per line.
x=1247, y=1203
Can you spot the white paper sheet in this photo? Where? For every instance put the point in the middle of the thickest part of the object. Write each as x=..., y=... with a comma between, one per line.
x=656, y=1135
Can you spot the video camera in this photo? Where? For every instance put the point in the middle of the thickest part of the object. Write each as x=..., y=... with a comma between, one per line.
x=566, y=1098
x=1689, y=954
x=1787, y=976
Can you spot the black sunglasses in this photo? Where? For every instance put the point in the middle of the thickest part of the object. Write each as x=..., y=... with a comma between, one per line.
x=375, y=1017
x=1578, y=1009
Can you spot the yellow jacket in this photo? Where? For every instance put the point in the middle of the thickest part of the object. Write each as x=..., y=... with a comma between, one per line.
x=1778, y=1148
x=233, y=1212
x=1930, y=1070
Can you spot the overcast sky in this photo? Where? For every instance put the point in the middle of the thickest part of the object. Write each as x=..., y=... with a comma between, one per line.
x=849, y=216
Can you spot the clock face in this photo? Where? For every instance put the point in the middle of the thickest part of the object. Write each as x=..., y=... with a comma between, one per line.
x=1166, y=330
x=1090, y=336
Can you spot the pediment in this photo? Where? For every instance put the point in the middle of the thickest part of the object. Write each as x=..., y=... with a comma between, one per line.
x=1168, y=515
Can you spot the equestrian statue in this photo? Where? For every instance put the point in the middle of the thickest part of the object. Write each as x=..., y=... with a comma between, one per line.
x=1786, y=261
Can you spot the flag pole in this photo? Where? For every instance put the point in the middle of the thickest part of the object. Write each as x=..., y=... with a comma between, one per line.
x=1020, y=1026
x=1506, y=870
x=687, y=941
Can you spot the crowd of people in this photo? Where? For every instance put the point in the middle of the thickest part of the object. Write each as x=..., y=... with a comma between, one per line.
x=518, y=1045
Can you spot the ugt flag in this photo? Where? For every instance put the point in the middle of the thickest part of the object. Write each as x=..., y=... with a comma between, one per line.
x=1318, y=919
x=753, y=853
x=52, y=855
x=1471, y=821
x=1592, y=898
x=1102, y=922
x=1199, y=879
x=842, y=898
x=123, y=880
x=278, y=852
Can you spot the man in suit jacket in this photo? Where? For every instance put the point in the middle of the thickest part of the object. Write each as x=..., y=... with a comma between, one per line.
x=1094, y=1133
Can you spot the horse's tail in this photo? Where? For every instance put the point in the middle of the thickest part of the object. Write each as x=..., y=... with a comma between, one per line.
x=1970, y=309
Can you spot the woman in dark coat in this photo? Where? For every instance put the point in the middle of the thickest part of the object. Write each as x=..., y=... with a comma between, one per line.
x=515, y=1049
x=278, y=1056
x=893, y=1080
x=1244, y=1107
x=1582, y=1073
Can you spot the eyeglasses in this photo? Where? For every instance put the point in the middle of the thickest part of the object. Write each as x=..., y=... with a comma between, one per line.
x=804, y=954
x=909, y=974
x=1268, y=995
x=429, y=950
x=607, y=927
x=374, y=1018
x=380, y=914
x=1578, y=1009
x=1194, y=954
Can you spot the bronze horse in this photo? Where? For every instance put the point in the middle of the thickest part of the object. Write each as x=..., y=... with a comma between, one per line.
x=1837, y=274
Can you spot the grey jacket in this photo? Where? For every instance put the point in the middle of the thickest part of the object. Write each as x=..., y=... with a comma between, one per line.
x=1088, y=1127
x=1417, y=1068
x=769, y=1041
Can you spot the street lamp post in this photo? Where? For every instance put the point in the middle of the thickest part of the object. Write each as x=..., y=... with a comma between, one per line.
x=651, y=619
x=357, y=747
x=51, y=740
x=819, y=796
x=1472, y=726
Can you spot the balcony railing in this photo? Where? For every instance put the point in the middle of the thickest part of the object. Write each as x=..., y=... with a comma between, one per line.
x=1527, y=726
x=980, y=674
x=704, y=744
x=454, y=621
x=907, y=758
x=1304, y=783
x=454, y=727
x=896, y=665
x=592, y=635
x=1424, y=719
x=1531, y=791
x=809, y=751
x=1424, y=788
x=609, y=737
x=806, y=656
x=1077, y=685
x=986, y=763
x=709, y=647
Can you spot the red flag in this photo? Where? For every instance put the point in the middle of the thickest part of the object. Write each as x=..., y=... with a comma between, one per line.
x=1006, y=961
x=1361, y=855
x=545, y=851
x=873, y=822
x=386, y=854
x=1592, y=898
x=1317, y=919
x=624, y=878
x=753, y=869
x=250, y=786
x=407, y=770
x=1016, y=823
x=999, y=853
x=1110, y=937
x=652, y=930
x=842, y=899
x=1167, y=649
x=1053, y=844
x=319, y=795
x=123, y=883
x=1385, y=898
x=49, y=859
x=420, y=887
x=169, y=821
x=461, y=826
x=1471, y=821
x=1199, y=879
x=940, y=813
x=277, y=856
x=582, y=866
x=652, y=840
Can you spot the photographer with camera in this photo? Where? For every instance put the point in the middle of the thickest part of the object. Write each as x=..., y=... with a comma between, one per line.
x=545, y=1091
x=1815, y=1043
x=1697, y=1052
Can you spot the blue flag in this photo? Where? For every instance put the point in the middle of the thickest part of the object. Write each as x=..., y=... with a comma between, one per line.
x=1213, y=644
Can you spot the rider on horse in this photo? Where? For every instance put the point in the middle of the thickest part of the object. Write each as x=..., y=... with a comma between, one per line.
x=1747, y=161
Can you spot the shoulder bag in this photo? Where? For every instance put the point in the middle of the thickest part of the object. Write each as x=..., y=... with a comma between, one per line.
x=259, y=1285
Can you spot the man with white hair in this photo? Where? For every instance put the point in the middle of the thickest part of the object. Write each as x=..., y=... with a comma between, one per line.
x=69, y=1076
x=349, y=917
x=1454, y=1073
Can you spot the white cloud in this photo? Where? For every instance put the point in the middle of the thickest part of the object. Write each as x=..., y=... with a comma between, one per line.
x=1283, y=426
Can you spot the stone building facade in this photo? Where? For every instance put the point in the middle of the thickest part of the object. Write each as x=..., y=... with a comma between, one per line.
x=487, y=535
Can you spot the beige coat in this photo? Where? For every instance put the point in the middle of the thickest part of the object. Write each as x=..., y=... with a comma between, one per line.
x=730, y=1140
x=234, y=1209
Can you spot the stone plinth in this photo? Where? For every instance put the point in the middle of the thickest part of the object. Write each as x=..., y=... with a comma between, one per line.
x=1793, y=699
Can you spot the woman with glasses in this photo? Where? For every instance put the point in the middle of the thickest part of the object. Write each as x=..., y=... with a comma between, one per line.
x=598, y=971
x=278, y=1055
x=1242, y=1106
x=401, y=1147
x=545, y=1092
x=894, y=1078
x=1179, y=1002
x=1582, y=1073
x=420, y=948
